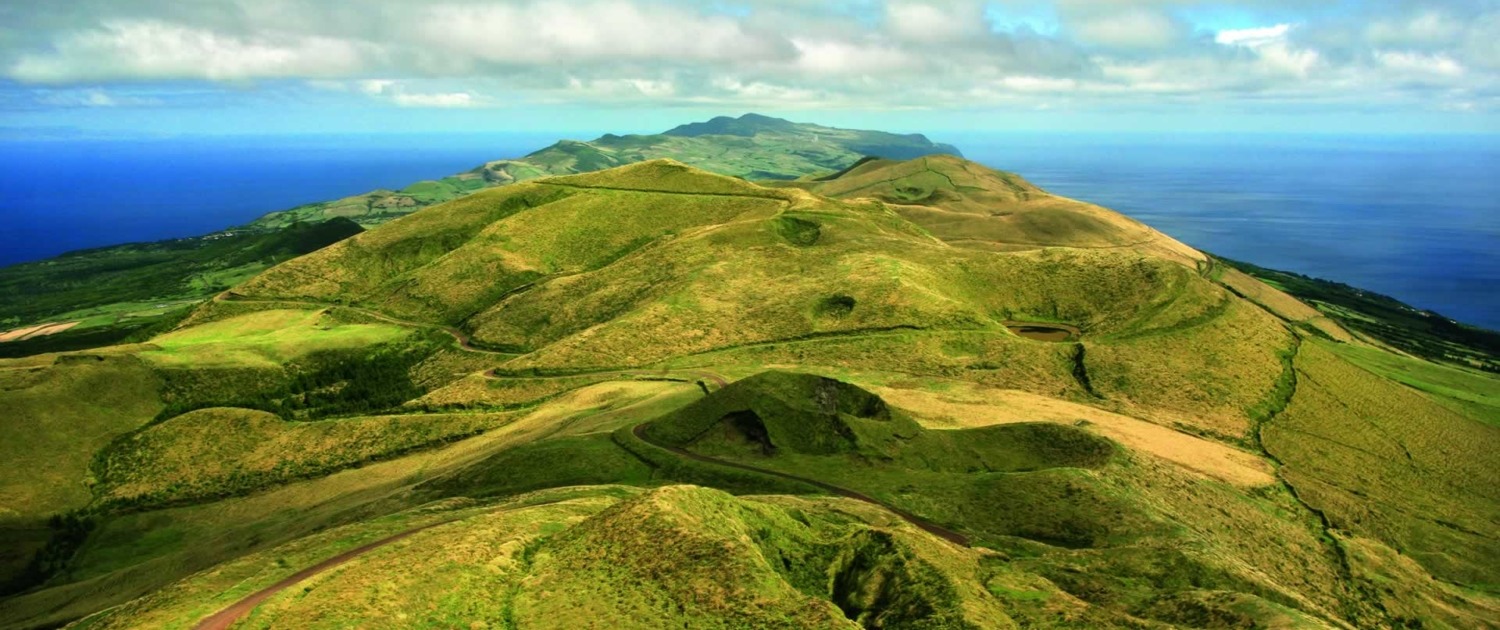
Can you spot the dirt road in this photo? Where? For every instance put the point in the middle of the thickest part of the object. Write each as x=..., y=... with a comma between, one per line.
x=226, y=617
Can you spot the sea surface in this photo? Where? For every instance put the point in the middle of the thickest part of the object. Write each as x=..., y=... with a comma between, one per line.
x=1414, y=217
x=62, y=195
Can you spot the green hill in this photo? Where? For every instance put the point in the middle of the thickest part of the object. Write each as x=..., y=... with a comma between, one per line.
x=914, y=393
x=124, y=290
x=752, y=146
x=115, y=292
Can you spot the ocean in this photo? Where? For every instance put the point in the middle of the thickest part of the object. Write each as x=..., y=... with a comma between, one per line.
x=1414, y=217
x=60, y=195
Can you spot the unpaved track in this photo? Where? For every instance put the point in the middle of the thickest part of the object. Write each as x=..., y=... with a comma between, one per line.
x=926, y=525
x=607, y=374
x=228, y=616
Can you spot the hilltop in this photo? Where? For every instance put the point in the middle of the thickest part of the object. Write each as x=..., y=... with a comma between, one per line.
x=752, y=147
x=109, y=294
x=916, y=392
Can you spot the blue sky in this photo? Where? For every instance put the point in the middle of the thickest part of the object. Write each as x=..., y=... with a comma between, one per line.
x=127, y=67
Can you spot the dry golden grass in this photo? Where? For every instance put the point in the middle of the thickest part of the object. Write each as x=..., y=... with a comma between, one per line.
x=1205, y=377
x=478, y=390
x=1281, y=304
x=965, y=406
x=972, y=206
x=21, y=333
x=599, y=406
x=39, y=330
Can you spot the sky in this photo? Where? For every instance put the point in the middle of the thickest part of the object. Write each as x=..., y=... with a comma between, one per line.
x=123, y=68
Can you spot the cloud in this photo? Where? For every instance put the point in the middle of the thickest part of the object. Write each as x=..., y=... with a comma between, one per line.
x=509, y=35
x=1130, y=28
x=1252, y=37
x=867, y=54
x=402, y=96
x=935, y=22
x=150, y=49
x=1411, y=63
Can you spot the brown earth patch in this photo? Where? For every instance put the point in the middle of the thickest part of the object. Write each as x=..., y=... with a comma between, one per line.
x=978, y=407
x=39, y=330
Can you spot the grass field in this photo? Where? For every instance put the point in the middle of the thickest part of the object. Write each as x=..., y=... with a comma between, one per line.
x=1477, y=393
x=1200, y=450
x=265, y=338
x=1389, y=463
x=214, y=453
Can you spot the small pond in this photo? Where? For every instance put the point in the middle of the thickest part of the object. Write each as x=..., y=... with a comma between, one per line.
x=1043, y=331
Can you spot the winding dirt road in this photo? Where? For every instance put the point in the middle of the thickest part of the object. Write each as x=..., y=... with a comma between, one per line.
x=228, y=616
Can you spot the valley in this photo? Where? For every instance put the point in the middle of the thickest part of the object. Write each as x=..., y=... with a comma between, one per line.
x=902, y=392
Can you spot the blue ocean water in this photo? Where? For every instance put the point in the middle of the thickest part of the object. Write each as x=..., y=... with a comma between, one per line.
x=1415, y=217
x=62, y=195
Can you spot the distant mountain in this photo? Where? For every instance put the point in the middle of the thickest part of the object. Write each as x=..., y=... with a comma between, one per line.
x=989, y=407
x=752, y=146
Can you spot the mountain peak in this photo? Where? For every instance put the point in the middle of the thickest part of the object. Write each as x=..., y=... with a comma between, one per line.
x=746, y=125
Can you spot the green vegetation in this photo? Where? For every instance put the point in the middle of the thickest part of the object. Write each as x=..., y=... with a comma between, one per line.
x=220, y=452
x=1201, y=449
x=1385, y=462
x=76, y=285
x=1475, y=392
x=120, y=291
x=820, y=428
x=1384, y=319
x=751, y=147
x=265, y=338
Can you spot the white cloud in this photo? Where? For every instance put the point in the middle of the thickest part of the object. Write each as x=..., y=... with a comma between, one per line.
x=546, y=32
x=1411, y=63
x=935, y=22
x=150, y=49
x=1276, y=56
x=822, y=57
x=446, y=99
x=401, y=95
x=863, y=53
x=1131, y=28
x=1426, y=29
x=1038, y=84
x=1252, y=37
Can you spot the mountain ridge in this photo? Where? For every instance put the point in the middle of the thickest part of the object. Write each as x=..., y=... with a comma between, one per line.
x=1102, y=426
x=752, y=146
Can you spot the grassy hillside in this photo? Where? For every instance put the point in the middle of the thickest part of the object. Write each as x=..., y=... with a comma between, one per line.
x=130, y=291
x=973, y=206
x=1387, y=321
x=1076, y=423
x=751, y=147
